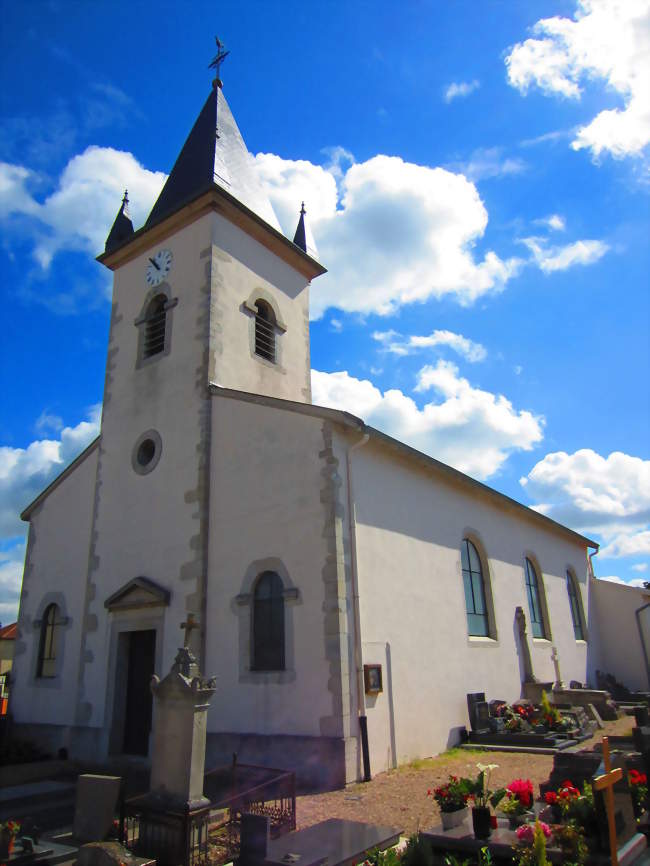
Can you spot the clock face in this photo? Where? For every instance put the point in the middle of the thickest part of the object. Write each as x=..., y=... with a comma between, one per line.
x=158, y=267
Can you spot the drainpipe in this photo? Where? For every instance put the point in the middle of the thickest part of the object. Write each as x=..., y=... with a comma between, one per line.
x=354, y=576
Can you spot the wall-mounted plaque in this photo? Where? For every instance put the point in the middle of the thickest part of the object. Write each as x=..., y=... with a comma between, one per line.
x=372, y=679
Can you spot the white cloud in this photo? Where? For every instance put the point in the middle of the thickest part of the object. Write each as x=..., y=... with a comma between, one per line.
x=399, y=345
x=79, y=213
x=468, y=428
x=460, y=89
x=399, y=233
x=607, y=40
x=627, y=544
x=47, y=421
x=11, y=574
x=640, y=566
x=554, y=222
x=486, y=162
x=605, y=496
x=587, y=490
x=336, y=325
x=25, y=472
x=560, y=258
x=613, y=578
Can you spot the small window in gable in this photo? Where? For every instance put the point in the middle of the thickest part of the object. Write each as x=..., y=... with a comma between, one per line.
x=265, y=327
x=155, y=322
x=534, y=601
x=475, y=606
x=576, y=606
x=268, y=623
x=49, y=642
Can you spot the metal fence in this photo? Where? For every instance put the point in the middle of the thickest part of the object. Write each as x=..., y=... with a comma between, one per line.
x=186, y=836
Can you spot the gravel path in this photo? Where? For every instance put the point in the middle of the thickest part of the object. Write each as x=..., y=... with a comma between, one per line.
x=398, y=798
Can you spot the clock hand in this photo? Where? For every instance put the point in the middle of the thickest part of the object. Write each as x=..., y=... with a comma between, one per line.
x=154, y=263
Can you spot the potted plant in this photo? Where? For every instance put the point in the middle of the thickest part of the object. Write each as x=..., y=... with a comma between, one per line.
x=638, y=783
x=571, y=839
x=8, y=832
x=517, y=802
x=483, y=797
x=452, y=799
x=534, y=837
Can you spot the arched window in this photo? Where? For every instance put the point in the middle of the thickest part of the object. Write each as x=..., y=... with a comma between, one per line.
x=155, y=322
x=264, y=331
x=576, y=607
x=49, y=643
x=534, y=601
x=268, y=623
x=477, y=617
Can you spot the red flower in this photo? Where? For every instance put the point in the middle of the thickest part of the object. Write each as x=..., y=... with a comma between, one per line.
x=522, y=789
x=550, y=797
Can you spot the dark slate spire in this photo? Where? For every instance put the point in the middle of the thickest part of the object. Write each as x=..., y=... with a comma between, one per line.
x=299, y=238
x=122, y=227
x=214, y=154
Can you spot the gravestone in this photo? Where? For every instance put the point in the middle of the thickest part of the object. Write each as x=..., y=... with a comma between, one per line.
x=254, y=838
x=474, y=698
x=176, y=809
x=95, y=806
x=335, y=842
x=624, y=817
x=641, y=716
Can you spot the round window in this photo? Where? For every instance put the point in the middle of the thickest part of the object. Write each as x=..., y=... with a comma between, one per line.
x=146, y=452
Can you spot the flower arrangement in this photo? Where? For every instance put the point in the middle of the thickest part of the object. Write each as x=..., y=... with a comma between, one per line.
x=551, y=716
x=638, y=783
x=575, y=806
x=10, y=828
x=534, y=836
x=480, y=787
x=571, y=839
x=453, y=795
x=562, y=798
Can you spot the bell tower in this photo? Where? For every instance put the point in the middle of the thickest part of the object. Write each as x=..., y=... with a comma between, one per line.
x=208, y=291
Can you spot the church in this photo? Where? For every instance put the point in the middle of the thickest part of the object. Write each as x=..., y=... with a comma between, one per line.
x=346, y=590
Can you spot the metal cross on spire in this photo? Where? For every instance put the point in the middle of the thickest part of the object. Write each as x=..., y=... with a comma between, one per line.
x=217, y=61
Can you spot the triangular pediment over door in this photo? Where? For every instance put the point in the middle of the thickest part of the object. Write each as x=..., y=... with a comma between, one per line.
x=138, y=593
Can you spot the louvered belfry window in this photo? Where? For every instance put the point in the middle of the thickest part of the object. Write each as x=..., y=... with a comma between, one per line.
x=154, y=327
x=264, y=331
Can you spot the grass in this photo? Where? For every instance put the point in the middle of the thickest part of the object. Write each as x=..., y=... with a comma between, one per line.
x=440, y=760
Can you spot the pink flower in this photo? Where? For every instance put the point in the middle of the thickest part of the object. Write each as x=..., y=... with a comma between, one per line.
x=526, y=832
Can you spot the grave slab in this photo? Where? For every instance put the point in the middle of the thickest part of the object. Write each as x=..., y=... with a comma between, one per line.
x=336, y=842
x=46, y=852
x=95, y=807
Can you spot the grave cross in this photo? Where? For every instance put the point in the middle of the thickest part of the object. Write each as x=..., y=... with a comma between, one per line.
x=606, y=783
x=188, y=627
x=558, y=684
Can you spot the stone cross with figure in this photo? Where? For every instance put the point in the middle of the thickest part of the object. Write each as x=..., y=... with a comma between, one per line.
x=606, y=784
x=558, y=684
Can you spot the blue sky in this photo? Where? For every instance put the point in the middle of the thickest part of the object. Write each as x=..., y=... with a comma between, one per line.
x=476, y=180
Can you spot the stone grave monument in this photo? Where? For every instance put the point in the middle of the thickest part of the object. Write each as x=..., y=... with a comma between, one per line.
x=173, y=817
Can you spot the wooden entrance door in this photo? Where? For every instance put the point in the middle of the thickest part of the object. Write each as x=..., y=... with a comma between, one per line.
x=137, y=718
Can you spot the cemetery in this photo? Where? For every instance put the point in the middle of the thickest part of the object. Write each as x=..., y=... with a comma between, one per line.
x=586, y=805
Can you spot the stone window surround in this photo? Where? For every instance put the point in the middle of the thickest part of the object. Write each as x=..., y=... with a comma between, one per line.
x=492, y=637
x=541, y=591
x=242, y=607
x=570, y=571
x=154, y=435
x=248, y=307
x=56, y=681
x=140, y=323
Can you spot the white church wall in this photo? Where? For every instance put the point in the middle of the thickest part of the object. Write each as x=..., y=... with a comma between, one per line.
x=617, y=635
x=270, y=509
x=410, y=525
x=242, y=271
x=55, y=572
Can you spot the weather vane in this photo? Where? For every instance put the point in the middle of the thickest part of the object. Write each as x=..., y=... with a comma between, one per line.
x=218, y=60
